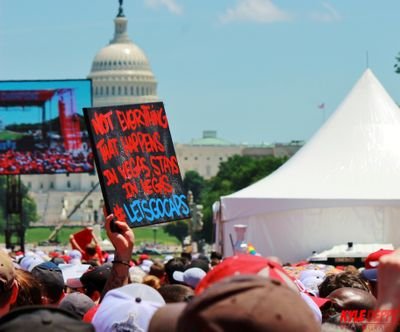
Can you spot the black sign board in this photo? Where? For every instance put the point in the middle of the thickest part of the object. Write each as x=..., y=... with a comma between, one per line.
x=136, y=163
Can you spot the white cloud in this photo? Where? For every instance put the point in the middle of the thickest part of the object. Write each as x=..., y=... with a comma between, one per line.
x=330, y=14
x=260, y=11
x=171, y=5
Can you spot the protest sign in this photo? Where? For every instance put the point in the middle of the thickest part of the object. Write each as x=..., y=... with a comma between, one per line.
x=136, y=163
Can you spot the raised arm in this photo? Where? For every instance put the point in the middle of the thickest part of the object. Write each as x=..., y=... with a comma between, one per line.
x=388, y=303
x=75, y=244
x=123, y=242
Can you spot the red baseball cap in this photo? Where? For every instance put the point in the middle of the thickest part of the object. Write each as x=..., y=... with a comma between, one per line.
x=244, y=265
x=142, y=257
x=372, y=260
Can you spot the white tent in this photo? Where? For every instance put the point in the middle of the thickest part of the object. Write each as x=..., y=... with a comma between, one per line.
x=342, y=186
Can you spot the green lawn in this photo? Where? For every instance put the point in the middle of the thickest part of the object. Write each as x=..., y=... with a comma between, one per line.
x=10, y=135
x=142, y=234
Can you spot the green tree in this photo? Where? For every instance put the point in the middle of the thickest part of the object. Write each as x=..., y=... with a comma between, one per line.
x=194, y=182
x=397, y=65
x=179, y=229
x=236, y=173
x=29, y=209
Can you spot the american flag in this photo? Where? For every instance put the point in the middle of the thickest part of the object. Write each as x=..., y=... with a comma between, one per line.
x=321, y=106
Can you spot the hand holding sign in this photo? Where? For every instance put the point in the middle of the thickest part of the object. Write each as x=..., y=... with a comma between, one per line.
x=123, y=240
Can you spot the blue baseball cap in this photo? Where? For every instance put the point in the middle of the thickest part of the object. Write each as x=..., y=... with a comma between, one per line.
x=370, y=274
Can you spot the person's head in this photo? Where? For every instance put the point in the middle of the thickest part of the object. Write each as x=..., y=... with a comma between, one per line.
x=43, y=319
x=174, y=264
x=176, y=293
x=28, y=262
x=351, y=269
x=342, y=279
x=152, y=281
x=245, y=265
x=142, y=257
x=77, y=304
x=346, y=298
x=216, y=254
x=158, y=270
x=29, y=289
x=214, y=262
x=94, y=280
x=371, y=278
x=90, y=249
x=8, y=283
x=190, y=277
x=187, y=256
x=58, y=260
x=199, y=263
x=146, y=265
x=136, y=274
x=311, y=279
x=215, y=258
x=127, y=308
x=75, y=257
x=372, y=260
x=51, y=280
x=241, y=303
x=204, y=258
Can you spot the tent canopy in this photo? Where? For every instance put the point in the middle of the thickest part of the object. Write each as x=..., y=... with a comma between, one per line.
x=353, y=161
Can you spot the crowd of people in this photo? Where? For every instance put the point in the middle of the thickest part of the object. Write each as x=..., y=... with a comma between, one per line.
x=84, y=289
x=44, y=162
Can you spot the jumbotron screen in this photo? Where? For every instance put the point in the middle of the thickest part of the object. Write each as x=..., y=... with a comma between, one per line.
x=42, y=130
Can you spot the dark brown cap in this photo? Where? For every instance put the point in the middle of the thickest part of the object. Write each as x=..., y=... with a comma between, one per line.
x=241, y=303
x=42, y=318
x=347, y=298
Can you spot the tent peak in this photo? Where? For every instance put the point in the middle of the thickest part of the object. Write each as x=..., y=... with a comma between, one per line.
x=368, y=73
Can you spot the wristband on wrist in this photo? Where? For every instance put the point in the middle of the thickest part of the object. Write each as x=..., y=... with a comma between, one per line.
x=127, y=263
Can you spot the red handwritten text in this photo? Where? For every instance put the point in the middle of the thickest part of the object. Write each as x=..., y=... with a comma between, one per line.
x=164, y=164
x=102, y=123
x=159, y=185
x=107, y=148
x=133, y=167
x=131, y=189
x=143, y=142
x=143, y=116
x=119, y=213
x=111, y=176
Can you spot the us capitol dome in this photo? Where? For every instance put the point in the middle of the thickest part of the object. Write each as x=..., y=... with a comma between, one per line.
x=121, y=72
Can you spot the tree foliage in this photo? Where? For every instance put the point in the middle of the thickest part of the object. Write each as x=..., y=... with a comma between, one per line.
x=234, y=174
x=29, y=210
x=194, y=182
x=179, y=229
x=397, y=65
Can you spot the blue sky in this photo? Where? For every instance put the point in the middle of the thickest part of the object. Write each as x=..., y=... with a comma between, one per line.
x=254, y=70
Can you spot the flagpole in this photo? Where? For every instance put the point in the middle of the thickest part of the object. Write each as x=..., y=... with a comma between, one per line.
x=322, y=107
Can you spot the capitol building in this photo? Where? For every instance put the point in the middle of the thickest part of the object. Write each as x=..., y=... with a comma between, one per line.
x=121, y=74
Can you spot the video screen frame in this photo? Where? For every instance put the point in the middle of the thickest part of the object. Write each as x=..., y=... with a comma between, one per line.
x=42, y=128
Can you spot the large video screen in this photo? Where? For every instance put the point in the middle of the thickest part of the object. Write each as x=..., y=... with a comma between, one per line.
x=42, y=130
